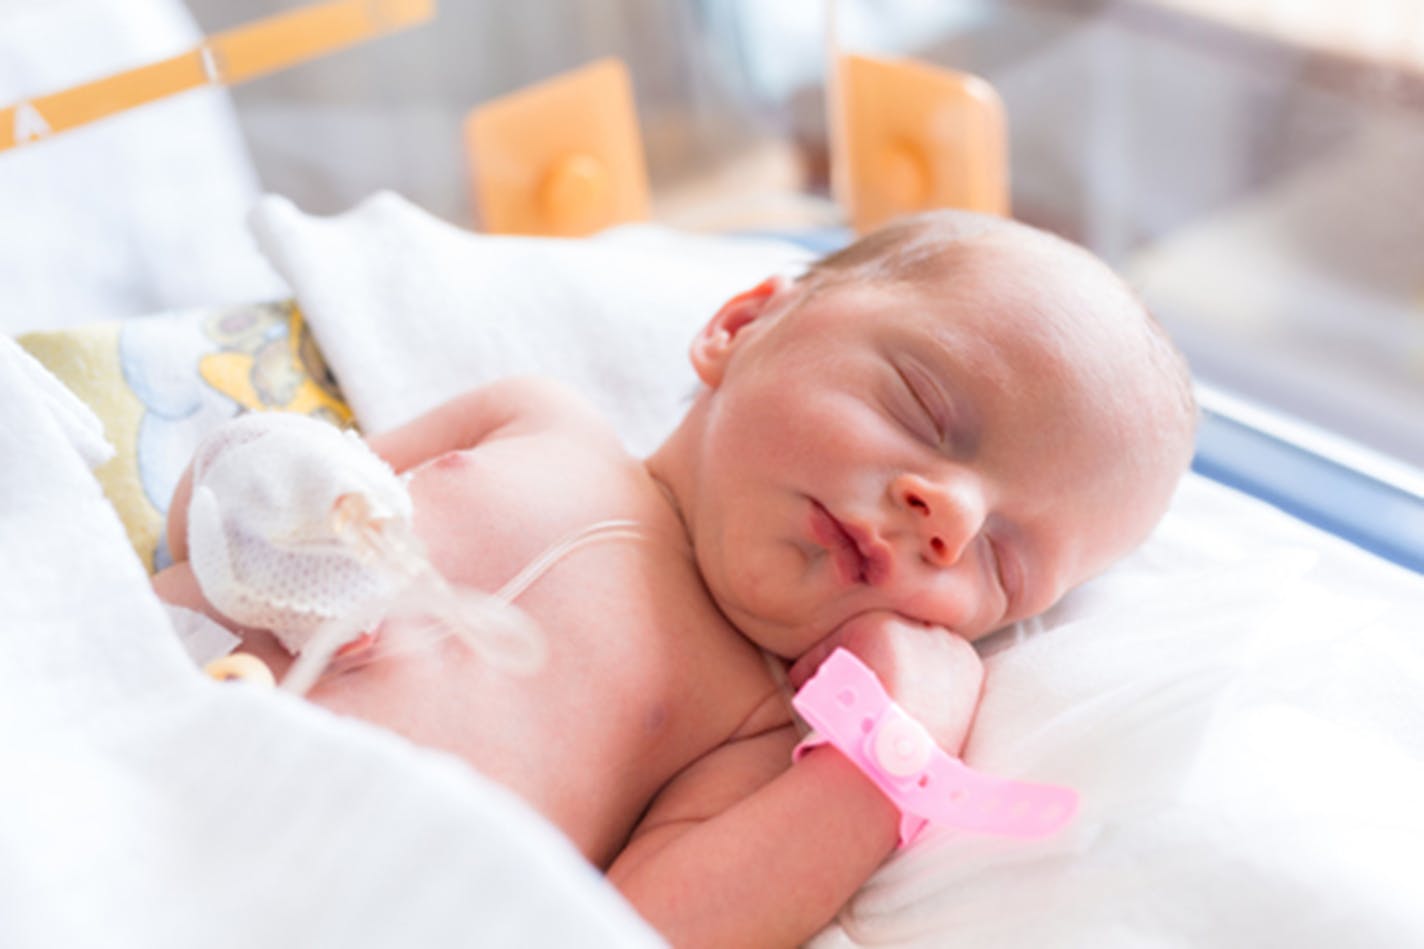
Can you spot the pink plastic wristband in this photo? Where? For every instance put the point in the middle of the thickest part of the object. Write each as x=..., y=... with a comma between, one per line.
x=851, y=711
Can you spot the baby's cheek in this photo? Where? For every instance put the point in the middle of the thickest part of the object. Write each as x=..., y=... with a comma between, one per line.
x=766, y=578
x=859, y=463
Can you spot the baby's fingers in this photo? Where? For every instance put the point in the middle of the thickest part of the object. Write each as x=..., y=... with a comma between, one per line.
x=806, y=666
x=858, y=634
x=881, y=639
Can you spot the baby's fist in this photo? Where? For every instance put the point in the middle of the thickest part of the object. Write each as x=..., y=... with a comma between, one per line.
x=930, y=672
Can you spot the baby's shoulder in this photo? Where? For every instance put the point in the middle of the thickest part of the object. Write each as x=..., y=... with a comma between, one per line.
x=541, y=404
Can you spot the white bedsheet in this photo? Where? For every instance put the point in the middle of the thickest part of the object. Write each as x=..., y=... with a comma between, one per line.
x=144, y=805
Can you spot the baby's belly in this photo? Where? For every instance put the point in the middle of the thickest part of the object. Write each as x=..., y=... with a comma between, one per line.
x=585, y=744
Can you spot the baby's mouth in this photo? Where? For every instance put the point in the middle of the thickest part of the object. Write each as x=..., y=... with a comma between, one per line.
x=848, y=551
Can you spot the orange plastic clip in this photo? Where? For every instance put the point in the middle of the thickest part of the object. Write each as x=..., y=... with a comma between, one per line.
x=909, y=136
x=563, y=157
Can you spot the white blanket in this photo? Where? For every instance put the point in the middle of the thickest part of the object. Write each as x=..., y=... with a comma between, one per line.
x=409, y=310
x=144, y=805
x=1239, y=703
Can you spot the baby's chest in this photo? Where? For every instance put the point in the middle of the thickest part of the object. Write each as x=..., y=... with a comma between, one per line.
x=598, y=558
x=488, y=513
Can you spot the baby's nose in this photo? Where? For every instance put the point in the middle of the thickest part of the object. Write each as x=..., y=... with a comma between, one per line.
x=947, y=514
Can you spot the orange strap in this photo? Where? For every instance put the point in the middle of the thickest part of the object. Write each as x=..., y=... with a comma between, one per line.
x=223, y=59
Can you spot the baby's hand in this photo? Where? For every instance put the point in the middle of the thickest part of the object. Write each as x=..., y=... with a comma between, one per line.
x=930, y=672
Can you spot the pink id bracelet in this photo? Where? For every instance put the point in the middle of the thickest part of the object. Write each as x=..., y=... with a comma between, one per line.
x=850, y=710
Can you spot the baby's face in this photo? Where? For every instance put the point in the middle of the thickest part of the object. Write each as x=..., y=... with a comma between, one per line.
x=943, y=450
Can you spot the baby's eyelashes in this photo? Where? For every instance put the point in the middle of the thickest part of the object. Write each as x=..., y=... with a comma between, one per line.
x=926, y=422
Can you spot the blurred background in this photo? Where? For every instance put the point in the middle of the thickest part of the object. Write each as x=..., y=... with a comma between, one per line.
x=1252, y=166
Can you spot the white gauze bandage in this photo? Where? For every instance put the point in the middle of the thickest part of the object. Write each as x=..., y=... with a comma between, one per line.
x=279, y=506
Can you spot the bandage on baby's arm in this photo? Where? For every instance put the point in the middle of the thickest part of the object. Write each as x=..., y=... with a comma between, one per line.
x=850, y=710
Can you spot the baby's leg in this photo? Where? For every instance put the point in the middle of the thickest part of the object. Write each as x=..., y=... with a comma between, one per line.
x=177, y=526
x=176, y=584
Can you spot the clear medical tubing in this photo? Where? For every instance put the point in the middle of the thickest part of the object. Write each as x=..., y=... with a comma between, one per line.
x=489, y=624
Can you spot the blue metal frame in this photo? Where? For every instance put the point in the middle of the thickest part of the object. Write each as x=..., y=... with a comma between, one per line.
x=1380, y=517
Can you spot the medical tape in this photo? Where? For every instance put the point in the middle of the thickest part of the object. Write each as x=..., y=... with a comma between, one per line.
x=226, y=58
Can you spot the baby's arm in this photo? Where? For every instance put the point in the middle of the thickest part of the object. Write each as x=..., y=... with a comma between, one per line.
x=503, y=407
x=742, y=850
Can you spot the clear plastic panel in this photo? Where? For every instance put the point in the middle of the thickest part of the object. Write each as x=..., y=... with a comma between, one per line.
x=1251, y=165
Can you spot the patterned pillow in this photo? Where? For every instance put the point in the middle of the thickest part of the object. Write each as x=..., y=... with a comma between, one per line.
x=160, y=383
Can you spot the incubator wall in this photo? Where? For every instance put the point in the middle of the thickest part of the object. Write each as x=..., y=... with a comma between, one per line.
x=1250, y=166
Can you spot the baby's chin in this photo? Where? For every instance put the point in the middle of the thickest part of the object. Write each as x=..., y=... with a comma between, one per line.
x=783, y=642
x=783, y=639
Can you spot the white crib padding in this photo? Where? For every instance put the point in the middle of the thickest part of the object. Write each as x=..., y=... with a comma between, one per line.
x=409, y=310
x=144, y=805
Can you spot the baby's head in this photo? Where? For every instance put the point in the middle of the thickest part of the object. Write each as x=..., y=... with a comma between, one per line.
x=958, y=418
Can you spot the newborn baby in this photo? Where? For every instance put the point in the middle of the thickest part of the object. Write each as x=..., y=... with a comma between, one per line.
x=931, y=434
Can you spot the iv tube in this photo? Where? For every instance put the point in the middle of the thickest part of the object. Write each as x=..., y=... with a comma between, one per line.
x=489, y=624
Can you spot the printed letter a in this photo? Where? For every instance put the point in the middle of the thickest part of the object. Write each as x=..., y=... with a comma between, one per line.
x=29, y=124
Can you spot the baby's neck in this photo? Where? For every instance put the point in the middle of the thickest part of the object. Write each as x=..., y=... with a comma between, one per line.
x=673, y=466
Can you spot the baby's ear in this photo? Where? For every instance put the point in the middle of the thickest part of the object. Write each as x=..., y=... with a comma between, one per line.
x=714, y=345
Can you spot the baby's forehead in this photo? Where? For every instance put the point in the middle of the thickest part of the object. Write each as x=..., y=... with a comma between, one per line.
x=1079, y=329
x=1041, y=294
x=1015, y=282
